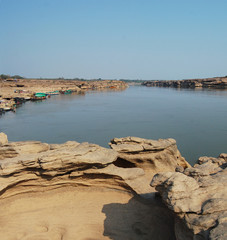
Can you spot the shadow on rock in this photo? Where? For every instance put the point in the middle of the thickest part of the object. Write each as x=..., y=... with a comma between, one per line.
x=140, y=218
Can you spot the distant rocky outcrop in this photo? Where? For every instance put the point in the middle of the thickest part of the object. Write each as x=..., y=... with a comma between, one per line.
x=217, y=82
x=198, y=196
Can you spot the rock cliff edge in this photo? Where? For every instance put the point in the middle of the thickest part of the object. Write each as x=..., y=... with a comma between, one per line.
x=83, y=191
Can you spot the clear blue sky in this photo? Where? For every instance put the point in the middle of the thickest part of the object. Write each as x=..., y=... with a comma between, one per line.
x=131, y=39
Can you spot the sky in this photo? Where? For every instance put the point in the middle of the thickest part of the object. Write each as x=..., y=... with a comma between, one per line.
x=114, y=39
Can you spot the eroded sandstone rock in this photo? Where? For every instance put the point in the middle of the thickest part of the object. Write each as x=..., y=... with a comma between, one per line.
x=11, y=150
x=7, y=152
x=75, y=191
x=29, y=147
x=3, y=138
x=151, y=155
x=198, y=196
x=53, y=191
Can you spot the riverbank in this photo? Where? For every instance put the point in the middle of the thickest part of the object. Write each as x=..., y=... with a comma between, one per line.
x=84, y=191
x=215, y=83
x=15, y=92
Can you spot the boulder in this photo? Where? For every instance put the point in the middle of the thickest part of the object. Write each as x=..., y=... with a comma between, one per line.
x=223, y=156
x=150, y=155
x=198, y=196
x=3, y=139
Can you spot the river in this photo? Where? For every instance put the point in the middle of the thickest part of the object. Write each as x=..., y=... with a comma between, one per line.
x=197, y=119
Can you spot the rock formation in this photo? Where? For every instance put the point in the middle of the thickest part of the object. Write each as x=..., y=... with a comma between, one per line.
x=217, y=82
x=198, y=196
x=152, y=156
x=76, y=191
x=83, y=191
x=3, y=139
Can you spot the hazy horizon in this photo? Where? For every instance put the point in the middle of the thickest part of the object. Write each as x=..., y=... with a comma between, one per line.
x=90, y=79
x=130, y=39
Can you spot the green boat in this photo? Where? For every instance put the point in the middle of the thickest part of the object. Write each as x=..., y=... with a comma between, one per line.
x=40, y=95
x=68, y=91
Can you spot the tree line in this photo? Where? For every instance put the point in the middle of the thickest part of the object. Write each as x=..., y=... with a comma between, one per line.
x=5, y=76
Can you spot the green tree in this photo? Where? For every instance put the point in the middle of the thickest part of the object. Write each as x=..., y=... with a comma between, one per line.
x=4, y=76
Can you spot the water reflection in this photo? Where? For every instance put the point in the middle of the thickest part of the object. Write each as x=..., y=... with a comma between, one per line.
x=206, y=91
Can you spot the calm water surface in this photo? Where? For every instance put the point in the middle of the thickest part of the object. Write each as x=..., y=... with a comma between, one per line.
x=197, y=119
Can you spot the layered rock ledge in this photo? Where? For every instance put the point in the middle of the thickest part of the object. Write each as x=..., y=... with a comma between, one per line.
x=83, y=191
x=77, y=191
x=152, y=156
x=217, y=82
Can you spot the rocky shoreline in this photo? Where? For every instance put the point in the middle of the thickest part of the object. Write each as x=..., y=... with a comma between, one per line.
x=84, y=191
x=15, y=92
x=216, y=83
